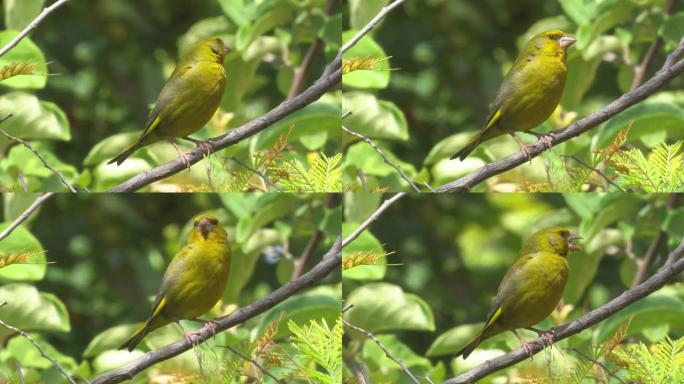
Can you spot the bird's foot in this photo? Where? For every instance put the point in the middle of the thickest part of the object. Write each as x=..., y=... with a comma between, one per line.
x=181, y=155
x=207, y=146
x=523, y=148
x=547, y=337
x=211, y=325
x=528, y=349
x=546, y=138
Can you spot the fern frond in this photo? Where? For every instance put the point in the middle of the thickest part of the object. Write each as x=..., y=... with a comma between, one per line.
x=16, y=69
x=10, y=258
x=319, y=343
x=363, y=258
x=360, y=63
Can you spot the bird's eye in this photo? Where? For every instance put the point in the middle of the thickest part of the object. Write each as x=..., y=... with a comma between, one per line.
x=215, y=50
x=565, y=234
x=554, y=37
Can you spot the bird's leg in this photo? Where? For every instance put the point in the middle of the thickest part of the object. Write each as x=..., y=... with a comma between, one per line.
x=547, y=336
x=181, y=155
x=546, y=138
x=523, y=147
x=525, y=345
x=211, y=324
x=188, y=335
x=206, y=145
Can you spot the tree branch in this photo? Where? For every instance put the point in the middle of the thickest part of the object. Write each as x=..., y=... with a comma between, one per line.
x=26, y=214
x=311, y=94
x=330, y=262
x=640, y=71
x=383, y=207
x=309, y=249
x=585, y=321
x=300, y=72
x=47, y=165
x=673, y=67
x=25, y=335
x=383, y=12
x=32, y=25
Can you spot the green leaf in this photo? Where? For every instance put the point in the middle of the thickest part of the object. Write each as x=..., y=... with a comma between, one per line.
x=32, y=118
x=579, y=11
x=363, y=11
x=359, y=206
x=31, y=310
x=278, y=15
x=109, y=175
x=366, y=48
x=364, y=157
x=22, y=241
x=611, y=14
x=372, y=353
x=674, y=223
x=106, y=149
x=382, y=307
x=453, y=340
x=646, y=119
x=236, y=11
x=244, y=260
x=114, y=359
x=673, y=27
x=312, y=122
x=446, y=148
x=24, y=53
x=581, y=74
x=109, y=339
x=273, y=206
x=24, y=351
x=366, y=242
x=377, y=119
x=19, y=13
x=315, y=305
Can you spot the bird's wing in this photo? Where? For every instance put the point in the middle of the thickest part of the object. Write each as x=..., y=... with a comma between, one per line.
x=171, y=276
x=509, y=284
x=506, y=92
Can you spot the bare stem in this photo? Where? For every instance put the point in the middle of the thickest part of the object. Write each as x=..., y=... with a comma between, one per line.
x=26, y=214
x=32, y=25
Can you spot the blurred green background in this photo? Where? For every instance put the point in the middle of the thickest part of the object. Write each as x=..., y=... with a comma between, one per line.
x=447, y=60
x=108, y=61
x=108, y=254
x=447, y=254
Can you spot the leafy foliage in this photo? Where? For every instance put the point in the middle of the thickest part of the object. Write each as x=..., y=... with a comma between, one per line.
x=661, y=363
x=661, y=171
x=320, y=344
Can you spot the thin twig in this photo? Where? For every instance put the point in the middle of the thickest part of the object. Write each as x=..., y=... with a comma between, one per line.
x=40, y=157
x=628, y=297
x=598, y=171
x=260, y=174
x=329, y=262
x=374, y=216
x=300, y=72
x=384, y=157
x=32, y=25
x=309, y=249
x=262, y=369
x=596, y=362
x=17, y=365
x=362, y=179
x=672, y=68
x=389, y=355
x=25, y=335
x=383, y=12
x=641, y=69
x=26, y=214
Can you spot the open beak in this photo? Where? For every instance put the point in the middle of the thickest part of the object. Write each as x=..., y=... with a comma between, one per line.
x=571, y=245
x=566, y=41
x=205, y=226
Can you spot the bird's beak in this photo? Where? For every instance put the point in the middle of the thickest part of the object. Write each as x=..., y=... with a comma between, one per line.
x=566, y=41
x=205, y=226
x=571, y=246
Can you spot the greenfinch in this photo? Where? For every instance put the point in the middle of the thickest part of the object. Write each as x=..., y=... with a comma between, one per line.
x=194, y=280
x=531, y=288
x=530, y=92
x=188, y=100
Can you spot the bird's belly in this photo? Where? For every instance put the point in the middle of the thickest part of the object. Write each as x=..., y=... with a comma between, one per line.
x=538, y=297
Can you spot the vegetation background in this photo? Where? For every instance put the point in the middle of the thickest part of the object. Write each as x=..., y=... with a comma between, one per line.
x=93, y=70
x=447, y=60
x=107, y=254
x=432, y=291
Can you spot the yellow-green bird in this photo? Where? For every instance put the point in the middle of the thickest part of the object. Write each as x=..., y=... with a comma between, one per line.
x=532, y=287
x=194, y=280
x=530, y=92
x=188, y=100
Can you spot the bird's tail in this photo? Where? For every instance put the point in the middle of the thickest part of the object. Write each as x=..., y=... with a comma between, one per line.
x=135, y=339
x=463, y=153
x=468, y=349
x=124, y=155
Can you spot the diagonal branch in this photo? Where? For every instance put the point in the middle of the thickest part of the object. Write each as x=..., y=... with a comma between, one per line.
x=673, y=67
x=640, y=71
x=26, y=214
x=369, y=27
x=374, y=216
x=32, y=25
x=329, y=262
x=40, y=157
x=655, y=282
x=311, y=94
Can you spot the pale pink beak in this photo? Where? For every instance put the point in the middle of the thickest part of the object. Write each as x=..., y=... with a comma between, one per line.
x=566, y=41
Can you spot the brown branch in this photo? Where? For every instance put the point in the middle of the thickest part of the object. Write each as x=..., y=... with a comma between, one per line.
x=389, y=355
x=26, y=214
x=25, y=335
x=311, y=94
x=641, y=69
x=330, y=262
x=655, y=282
x=300, y=72
x=672, y=68
x=40, y=157
x=658, y=241
x=32, y=25
x=309, y=249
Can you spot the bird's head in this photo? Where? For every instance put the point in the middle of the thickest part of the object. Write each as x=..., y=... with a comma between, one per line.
x=551, y=43
x=557, y=240
x=210, y=48
x=207, y=228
